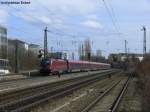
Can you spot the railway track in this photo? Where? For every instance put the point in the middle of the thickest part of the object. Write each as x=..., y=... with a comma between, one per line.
x=97, y=104
x=23, y=100
x=17, y=76
x=37, y=81
x=117, y=101
x=29, y=82
x=3, y=78
x=26, y=75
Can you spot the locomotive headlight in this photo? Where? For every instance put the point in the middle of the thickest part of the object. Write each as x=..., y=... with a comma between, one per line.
x=47, y=62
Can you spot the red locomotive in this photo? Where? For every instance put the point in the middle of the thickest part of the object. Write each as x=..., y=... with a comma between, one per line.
x=55, y=66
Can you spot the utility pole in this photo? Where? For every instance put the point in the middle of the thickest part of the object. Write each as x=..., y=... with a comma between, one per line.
x=82, y=52
x=128, y=50
x=45, y=43
x=144, y=40
x=72, y=55
x=126, y=47
x=16, y=56
x=51, y=49
x=126, y=55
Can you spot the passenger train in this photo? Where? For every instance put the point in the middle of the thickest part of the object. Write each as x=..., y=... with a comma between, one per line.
x=56, y=66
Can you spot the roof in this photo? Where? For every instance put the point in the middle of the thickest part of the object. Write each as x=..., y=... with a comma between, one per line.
x=33, y=45
x=3, y=27
x=131, y=54
x=87, y=62
x=17, y=40
x=4, y=60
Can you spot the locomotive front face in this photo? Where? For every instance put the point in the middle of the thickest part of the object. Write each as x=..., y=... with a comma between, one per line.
x=45, y=66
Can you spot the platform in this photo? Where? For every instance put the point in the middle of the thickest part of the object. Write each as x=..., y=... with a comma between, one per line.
x=34, y=81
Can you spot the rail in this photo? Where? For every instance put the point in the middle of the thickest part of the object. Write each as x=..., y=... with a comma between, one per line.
x=119, y=97
x=40, y=96
x=116, y=101
x=91, y=105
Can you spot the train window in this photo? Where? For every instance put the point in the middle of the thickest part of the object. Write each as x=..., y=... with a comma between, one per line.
x=3, y=63
x=7, y=63
x=0, y=63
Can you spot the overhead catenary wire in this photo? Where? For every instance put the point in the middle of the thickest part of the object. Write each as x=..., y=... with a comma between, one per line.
x=54, y=32
x=30, y=34
x=52, y=18
x=113, y=13
x=111, y=17
x=27, y=14
x=35, y=25
x=57, y=32
x=20, y=28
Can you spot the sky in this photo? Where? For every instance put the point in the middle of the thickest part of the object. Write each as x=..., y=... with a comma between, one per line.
x=106, y=23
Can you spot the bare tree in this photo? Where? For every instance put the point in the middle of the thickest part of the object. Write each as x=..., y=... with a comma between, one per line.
x=88, y=49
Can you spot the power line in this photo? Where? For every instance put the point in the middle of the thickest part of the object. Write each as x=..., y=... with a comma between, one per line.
x=12, y=14
x=126, y=47
x=111, y=16
x=112, y=11
x=53, y=32
x=57, y=32
x=41, y=4
x=49, y=11
x=27, y=14
x=52, y=18
x=52, y=14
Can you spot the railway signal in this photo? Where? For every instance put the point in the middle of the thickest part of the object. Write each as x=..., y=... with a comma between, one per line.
x=41, y=54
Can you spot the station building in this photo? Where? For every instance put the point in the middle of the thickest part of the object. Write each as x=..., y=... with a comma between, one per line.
x=22, y=55
x=3, y=51
x=130, y=56
x=17, y=52
x=122, y=56
x=3, y=43
x=34, y=48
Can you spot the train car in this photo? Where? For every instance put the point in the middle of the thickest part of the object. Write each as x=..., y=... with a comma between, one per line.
x=56, y=66
x=53, y=66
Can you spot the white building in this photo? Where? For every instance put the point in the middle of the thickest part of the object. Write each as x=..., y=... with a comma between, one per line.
x=3, y=43
x=3, y=51
x=34, y=48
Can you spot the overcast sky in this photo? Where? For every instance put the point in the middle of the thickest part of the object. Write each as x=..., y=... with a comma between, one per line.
x=76, y=20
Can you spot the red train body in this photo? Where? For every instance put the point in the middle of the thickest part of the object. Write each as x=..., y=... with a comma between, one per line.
x=58, y=66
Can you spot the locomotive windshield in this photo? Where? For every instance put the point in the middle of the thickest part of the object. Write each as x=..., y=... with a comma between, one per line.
x=45, y=62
